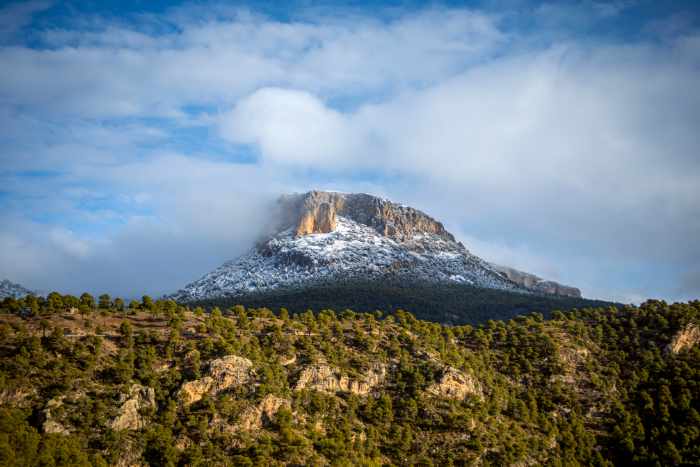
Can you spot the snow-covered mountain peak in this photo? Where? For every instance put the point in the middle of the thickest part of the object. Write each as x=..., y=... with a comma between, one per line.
x=326, y=236
x=9, y=289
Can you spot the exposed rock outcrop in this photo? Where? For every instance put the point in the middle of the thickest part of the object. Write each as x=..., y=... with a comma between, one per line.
x=256, y=417
x=684, y=339
x=574, y=355
x=46, y=423
x=288, y=360
x=536, y=283
x=17, y=396
x=322, y=378
x=457, y=384
x=131, y=455
x=316, y=210
x=222, y=375
x=128, y=417
x=316, y=219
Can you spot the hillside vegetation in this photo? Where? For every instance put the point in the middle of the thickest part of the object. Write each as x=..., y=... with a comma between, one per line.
x=441, y=303
x=167, y=386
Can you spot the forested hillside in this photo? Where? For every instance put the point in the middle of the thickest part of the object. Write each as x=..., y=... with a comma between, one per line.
x=442, y=303
x=163, y=385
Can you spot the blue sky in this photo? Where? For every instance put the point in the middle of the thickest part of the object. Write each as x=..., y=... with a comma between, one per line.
x=142, y=143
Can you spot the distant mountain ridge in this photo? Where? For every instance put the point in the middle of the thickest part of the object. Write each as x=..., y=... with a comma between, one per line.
x=9, y=289
x=536, y=283
x=324, y=236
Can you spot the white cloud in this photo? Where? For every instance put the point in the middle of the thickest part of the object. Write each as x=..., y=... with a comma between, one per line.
x=291, y=128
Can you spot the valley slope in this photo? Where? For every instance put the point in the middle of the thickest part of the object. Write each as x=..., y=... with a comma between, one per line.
x=166, y=386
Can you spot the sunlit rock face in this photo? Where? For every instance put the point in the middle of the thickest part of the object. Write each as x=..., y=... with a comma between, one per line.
x=684, y=339
x=222, y=375
x=456, y=384
x=322, y=378
x=320, y=208
x=324, y=236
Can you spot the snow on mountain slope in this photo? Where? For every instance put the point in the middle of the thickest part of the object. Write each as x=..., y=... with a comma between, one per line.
x=327, y=236
x=8, y=289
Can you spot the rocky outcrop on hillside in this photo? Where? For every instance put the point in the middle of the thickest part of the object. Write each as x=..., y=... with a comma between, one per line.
x=322, y=378
x=261, y=415
x=128, y=417
x=684, y=339
x=45, y=421
x=533, y=282
x=574, y=355
x=9, y=289
x=222, y=375
x=456, y=384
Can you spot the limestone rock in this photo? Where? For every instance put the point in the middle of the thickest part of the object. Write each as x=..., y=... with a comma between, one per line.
x=316, y=219
x=316, y=210
x=574, y=355
x=322, y=378
x=222, y=375
x=17, y=396
x=683, y=339
x=131, y=456
x=128, y=417
x=47, y=424
x=457, y=384
x=256, y=417
x=533, y=282
x=567, y=380
x=288, y=360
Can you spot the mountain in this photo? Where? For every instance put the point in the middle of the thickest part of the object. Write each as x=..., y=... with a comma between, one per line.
x=8, y=289
x=325, y=237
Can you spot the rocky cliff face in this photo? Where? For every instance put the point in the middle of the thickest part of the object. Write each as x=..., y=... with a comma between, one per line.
x=325, y=236
x=318, y=209
x=535, y=283
x=684, y=339
x=322, y=378
x=317, y=219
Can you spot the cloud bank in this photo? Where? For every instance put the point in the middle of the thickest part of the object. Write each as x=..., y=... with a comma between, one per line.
x=140, y=152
